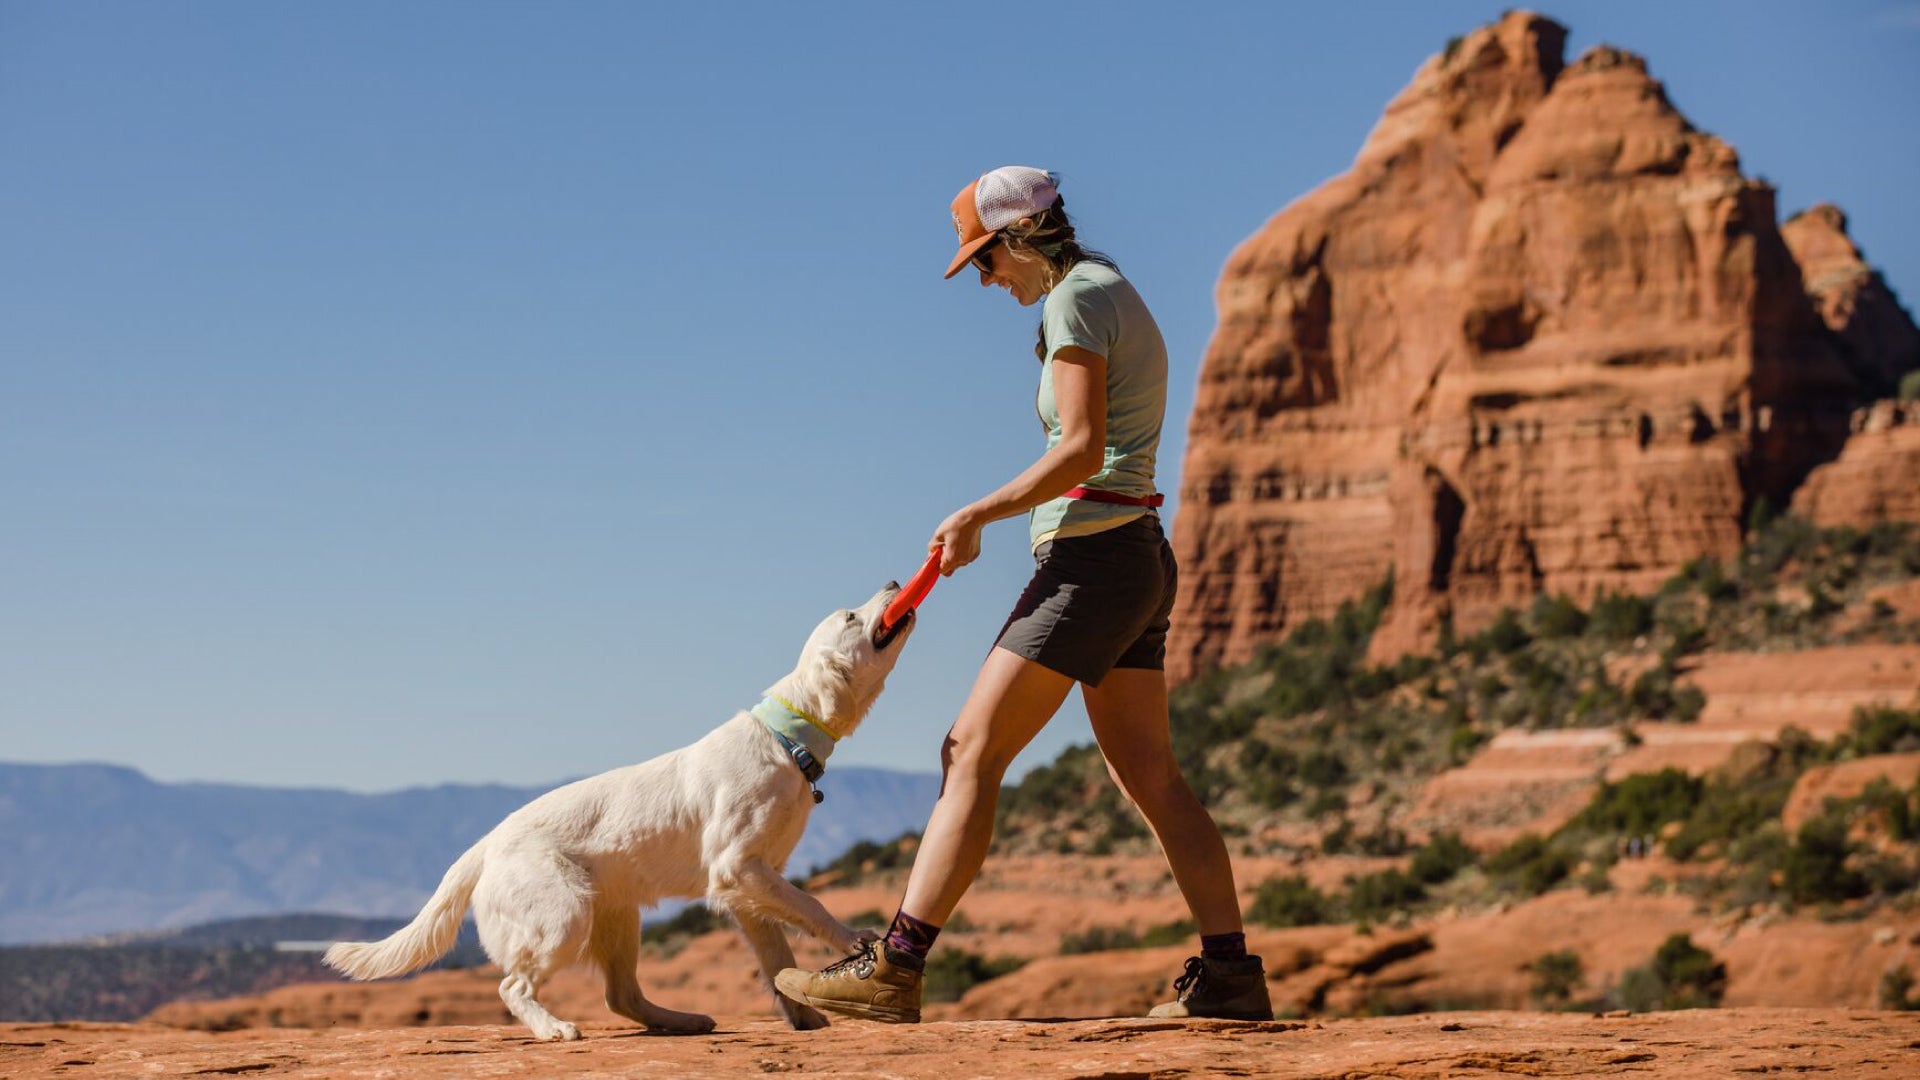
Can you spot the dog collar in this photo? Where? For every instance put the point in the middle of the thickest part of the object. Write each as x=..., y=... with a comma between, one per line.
x=808, y=742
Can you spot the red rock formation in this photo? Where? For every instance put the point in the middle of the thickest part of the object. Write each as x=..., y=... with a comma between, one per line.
x=1543, y=336
x=1874, y=478
x=1879, y=338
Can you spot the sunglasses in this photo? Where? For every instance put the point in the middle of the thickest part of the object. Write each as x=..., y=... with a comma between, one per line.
x=982, y=260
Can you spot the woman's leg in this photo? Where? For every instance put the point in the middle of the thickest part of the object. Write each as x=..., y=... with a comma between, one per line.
x=1012, y=699
x=1129, y=714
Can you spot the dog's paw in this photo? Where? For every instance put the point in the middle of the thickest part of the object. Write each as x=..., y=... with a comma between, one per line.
x=562, y=1031
x=679, y=1023
x=847, y=939
x=803, y=1017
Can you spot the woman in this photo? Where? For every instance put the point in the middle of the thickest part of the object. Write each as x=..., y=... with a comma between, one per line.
x=1095, y=613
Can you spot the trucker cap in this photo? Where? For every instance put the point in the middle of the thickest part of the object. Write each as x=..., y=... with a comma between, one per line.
x=995, y=201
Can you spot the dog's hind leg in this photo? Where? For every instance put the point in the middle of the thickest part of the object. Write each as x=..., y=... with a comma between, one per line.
x=616, y=948
x=532, y=908
x=769, y=943
x=518, y=991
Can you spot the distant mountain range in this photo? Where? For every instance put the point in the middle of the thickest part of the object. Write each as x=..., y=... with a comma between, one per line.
x=92, y=850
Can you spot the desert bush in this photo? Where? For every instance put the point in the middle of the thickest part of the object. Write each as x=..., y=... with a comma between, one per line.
x=1385, y=841
x=1600, y=702
x=1619, y=617
x=1787, y=538
x=1442, y=857
x=1267, y=773
x=1727, y=811
x=1681, y=975
x=1289, y=901
x=1339, y=839
x=1557, y=616
x=1556, y=978
x=1099, y=939
x=1656, y=696
x=1505, y=637
x=1376, y=896
x=1896, y=990
x=1882, y=729
x=867, y=857
x=1816, y=866
x=1640, y=804
x=1529, y=865
x=952, y=972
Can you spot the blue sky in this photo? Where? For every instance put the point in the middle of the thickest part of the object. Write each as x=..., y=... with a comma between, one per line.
x=398, y=393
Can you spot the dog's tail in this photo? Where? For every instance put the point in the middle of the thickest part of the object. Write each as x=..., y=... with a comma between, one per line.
x=426, y=938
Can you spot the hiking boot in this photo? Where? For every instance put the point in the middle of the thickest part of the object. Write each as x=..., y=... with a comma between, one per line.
x=1221, y=990
x=875, y=983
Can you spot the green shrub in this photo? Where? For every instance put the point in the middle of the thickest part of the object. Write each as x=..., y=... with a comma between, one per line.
x=1600, y=702
x=1440, y=858
x=952, y=972
x=1896, y=990
x=1530, y=865
x=1557, y=616
x=1785, y=539
x=690, y=921
x=1267, y=773
x=1881, y=729
x=1323, y=769
x=1375, y=896
x=1172, y=933
x=1337, y=840
x=1289, y=901
x=1909, y=386
x=1619, y=617
x=1681, y=975
x=1462, y=742
x=1505, y=637
x=1556, y=978
x=1385, y=842
x=1327, y=802
x=1655, y=696
x=1099, y=939
x=1727, y=811
x=1816, y=866
x=867, y=857
x=1641, y=803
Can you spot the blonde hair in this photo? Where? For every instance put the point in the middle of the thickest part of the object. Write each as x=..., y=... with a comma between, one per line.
x=1048, y=236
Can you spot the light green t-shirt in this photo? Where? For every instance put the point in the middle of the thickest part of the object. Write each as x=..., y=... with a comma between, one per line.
x=1096, y=309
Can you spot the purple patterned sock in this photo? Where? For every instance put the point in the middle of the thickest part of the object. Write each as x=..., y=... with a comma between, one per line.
x=1224, y=946
x=910, y=935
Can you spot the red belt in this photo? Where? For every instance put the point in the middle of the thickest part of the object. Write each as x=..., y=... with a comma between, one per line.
x=1100, y=496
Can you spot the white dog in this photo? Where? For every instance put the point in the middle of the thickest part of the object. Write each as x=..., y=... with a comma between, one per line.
x=562, y=879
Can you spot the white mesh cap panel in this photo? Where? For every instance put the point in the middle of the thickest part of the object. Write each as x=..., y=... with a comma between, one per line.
x=1012, y=192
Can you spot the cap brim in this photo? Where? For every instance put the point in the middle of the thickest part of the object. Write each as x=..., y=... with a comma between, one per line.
x=967, y=251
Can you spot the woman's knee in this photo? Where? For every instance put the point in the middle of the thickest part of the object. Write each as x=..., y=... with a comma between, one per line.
x=1150, y=784
x=975, y=757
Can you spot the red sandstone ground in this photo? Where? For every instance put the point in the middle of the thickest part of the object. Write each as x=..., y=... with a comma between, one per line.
x=1716, y=1043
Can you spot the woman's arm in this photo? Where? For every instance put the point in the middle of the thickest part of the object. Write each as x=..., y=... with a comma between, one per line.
x=1080, y=395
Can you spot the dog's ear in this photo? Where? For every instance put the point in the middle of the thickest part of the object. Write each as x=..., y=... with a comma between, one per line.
x=829, y=679
x=838, y=667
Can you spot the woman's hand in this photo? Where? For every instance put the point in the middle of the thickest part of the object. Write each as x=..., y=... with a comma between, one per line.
x=958, y=540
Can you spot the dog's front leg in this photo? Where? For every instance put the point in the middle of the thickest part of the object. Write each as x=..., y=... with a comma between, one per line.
x=750, y=887
x=769, y=943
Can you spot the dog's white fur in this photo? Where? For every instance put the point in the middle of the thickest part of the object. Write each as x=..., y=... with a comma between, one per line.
x=562, y=879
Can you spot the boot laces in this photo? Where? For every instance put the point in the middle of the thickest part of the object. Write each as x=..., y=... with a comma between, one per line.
x=1190, y=981
x=860, y=963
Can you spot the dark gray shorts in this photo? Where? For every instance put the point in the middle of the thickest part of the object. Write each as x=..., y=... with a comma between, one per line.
x=1097, y=602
